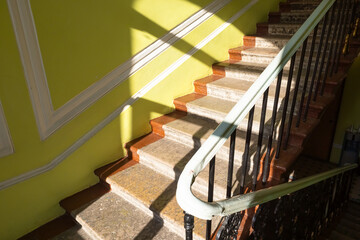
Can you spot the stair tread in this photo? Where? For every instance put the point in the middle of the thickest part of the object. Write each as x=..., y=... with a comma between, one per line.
x=217, y=108
x=335, y=235
x=346, y=230
x=74, y=233
x=112, y=217
x=148, y=189
x=235, y=88
x=172, y=162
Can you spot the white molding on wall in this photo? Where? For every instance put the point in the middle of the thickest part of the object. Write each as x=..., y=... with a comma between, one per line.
x=6, y=145
x=7, y=183
x=49, y=120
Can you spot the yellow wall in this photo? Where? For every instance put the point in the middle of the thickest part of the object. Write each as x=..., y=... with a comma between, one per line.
x=81, y=41
x=349, y=111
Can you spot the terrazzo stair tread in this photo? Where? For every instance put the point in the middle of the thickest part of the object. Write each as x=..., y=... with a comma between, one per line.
x=354, y=209
x=251, y=71
x=348, y=231
x=354, y=206
x=282, y=29
x=351, y=217
x=172, y=162
x=298, y=6
x=266, y=55
x=216, y=109
x=235, y=88
x=193, y=130
x=296, y=17
x=273, y=41
x=74, y=233
x=335, y=235
x=112, y=217
x=265, y=41
x=155, y=194
x=349, y=224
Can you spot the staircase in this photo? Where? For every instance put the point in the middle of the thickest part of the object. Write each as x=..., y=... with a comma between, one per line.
x=348, y=225
x=135, y=198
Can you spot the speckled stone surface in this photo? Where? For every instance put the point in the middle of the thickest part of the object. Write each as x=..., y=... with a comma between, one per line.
x=148, y=189
x=74, y=233
x=172, y=162
x=111, y=217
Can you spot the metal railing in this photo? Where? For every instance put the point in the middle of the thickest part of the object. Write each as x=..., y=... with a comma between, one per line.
x=332, y=20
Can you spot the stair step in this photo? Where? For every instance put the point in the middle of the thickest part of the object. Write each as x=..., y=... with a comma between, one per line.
x=264, y=41
x=251, y=71
x=298, y=6
x=335, y=235
x=172, y=162
x=217, y=108
x=348, y=215
x=289, y=17
x=349, y=224
x=74, y=233
x=154, y=193
x=267, y=55
x=284, y=29
x=348, y=231
x=112, y=217
x=234, y=89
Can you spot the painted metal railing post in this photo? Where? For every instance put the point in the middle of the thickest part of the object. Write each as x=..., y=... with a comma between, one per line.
x=260, y=139
x=188, y=225
x=316, y=69
x=246, y=155
x=231, y=164
x=307, y=76
x=337, y=32
x=266, y=168
x=286, y=101
x=331, y=49
x=210, y=194
x=325, y=55
x=296, y=89
x=344, y=26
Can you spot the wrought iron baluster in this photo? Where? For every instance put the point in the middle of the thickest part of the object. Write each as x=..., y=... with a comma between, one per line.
x=316, y=67
x=260, y=139
x=350, y=25
x=231, y=164
x=272, y=127
x=296, y=89
x=325, y=51
x=307, y=76
x=246, y=155
x=331, y=49
x=344, y=26
x=210, y=193
x=286, y=101
x=188, y=225
x=337, y=40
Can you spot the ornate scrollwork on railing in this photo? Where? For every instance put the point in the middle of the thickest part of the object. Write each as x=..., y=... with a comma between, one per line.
x=230, y=226
x=302, y=214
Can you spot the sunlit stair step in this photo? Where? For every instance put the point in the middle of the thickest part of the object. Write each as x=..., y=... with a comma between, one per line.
x=172, y=162
x=154, y=193
x=113, y=217
x=74, y=233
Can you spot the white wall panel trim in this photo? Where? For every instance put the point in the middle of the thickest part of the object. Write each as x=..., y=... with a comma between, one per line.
x=25, y=176
x=6, y=145
x=49, y=120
